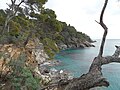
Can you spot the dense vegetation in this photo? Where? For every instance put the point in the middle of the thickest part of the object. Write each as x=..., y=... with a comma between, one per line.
x=71, y=37
x=19, y=24
x=43, y=25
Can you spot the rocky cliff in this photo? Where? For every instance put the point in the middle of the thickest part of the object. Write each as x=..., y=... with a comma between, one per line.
x=73, y=39
x=35, y=59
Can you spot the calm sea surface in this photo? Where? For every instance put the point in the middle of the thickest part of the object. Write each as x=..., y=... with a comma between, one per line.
x=78, y=61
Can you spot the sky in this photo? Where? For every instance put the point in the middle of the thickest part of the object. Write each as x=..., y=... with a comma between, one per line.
x=82, y=15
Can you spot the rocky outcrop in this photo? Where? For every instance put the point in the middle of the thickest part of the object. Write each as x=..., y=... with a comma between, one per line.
x=75, y=44
x=62, y=46
x=40, y=54
x=73, y=39
x=38, y=60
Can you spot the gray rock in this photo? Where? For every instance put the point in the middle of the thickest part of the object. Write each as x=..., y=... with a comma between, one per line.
x=88, y=44
x=40, y=54
x=62, y=46
x=44, y=70
x=82, y=45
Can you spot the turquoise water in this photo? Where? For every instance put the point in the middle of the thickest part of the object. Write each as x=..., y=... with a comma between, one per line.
x=78, y=61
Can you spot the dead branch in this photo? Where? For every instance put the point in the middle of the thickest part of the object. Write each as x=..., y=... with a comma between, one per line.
x=104, y=27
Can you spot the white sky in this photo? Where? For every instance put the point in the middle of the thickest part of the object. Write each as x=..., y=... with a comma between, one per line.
x=82, y=15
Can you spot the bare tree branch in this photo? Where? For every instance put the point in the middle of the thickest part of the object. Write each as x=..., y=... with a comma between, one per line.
x=104, y=27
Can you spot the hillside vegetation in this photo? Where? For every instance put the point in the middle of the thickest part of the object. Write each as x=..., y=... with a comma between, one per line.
x=50, y=31
x=20, y=25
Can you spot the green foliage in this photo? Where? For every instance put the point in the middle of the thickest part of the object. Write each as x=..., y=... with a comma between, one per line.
x=2, y=20
x=58, y=38
x=43, y=17
x=50, y=43
x=72, y=31
x=2, y=17
x=14, y=28
x=49, y=52
x=36, y=21
x=2, y=12
x=50, y=47
x=21, y=76
x=83, y=37
x=57, y=25
x=71, y=36
x=24, y=22
x=51, y=14
x=35, y=5
x=26, y=80
x=36, y=1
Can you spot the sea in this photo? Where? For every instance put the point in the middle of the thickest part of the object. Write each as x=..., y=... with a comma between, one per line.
x=77, y=62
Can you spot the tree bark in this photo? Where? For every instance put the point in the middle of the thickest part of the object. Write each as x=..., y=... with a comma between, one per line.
x=104, y=27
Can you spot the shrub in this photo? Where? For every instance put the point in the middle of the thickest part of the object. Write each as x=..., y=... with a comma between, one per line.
x=20, y=76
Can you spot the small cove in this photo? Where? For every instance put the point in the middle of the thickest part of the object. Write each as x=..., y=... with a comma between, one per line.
x=78, y=61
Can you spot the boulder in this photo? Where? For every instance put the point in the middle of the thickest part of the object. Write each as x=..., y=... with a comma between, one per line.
x=62, y=46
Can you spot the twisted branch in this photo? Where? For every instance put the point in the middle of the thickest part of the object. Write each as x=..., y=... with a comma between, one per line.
x=105, y=29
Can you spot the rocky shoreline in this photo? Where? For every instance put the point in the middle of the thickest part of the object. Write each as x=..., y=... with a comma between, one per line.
x=52, y=76
x=47, y=69
x=44, y=68
x=85, y=44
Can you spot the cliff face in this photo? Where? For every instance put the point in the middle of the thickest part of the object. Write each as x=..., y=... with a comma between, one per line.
x=73, y=39
x=15, y=59
x=35, y=59
x=34, y=52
